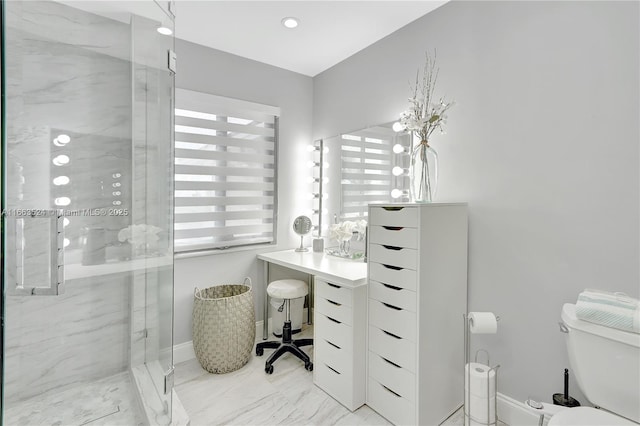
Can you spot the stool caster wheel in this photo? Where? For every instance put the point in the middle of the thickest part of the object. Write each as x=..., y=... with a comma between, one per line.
x=268, y=369
x=259, y=351
x=308, y=366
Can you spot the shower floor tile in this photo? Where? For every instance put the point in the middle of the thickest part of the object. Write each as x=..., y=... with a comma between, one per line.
x=109, y=401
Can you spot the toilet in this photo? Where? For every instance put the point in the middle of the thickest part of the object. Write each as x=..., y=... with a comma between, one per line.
x=606, y=364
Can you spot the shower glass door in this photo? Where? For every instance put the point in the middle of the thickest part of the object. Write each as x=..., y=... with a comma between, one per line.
x=87, y=256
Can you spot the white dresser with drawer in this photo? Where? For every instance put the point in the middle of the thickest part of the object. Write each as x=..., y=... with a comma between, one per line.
x=340, y=321
x=417, y=295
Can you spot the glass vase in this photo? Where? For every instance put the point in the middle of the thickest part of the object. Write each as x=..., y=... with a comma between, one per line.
x=423, y=173
x=345, y=247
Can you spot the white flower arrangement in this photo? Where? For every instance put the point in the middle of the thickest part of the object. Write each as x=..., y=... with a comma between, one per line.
x=425, y=115
x=140, y=235
x=344, y=231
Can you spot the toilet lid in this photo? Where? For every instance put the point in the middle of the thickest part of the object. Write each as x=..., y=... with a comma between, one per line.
x=587, y=416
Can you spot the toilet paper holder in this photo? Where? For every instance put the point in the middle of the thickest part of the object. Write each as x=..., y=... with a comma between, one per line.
x=472, y=410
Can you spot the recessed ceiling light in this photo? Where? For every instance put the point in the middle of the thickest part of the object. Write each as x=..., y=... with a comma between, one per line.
x=165, y=31
x=290, y=22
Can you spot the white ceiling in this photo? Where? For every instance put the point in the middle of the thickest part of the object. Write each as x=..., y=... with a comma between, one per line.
x=329, y=31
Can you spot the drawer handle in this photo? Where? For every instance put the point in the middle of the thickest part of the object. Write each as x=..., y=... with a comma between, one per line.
x=335, y=320
x=392, y=287
x=393, y=228
x=334, y=303
x=332, y=344
x=332, y=369
x=393, y=209
x=391, y=334
x=392, y=363
x=392, y=247
x=396, y=394
x=391, y=306
x=333, y=285
x=395, y=268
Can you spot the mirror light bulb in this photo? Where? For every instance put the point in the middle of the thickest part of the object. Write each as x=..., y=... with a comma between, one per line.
x=396, y=193
x=66, y=242
x=65, y=222
x=397, y=127
x=61, y=180
x=63, y=201
x=61, y=140
x=61, y=160
x=398, y=149
x=397, y=171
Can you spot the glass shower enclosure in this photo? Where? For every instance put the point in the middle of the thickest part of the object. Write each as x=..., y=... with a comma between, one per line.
x=87, y=212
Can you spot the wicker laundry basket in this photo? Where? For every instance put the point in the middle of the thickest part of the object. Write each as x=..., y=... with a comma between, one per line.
x=224, y=326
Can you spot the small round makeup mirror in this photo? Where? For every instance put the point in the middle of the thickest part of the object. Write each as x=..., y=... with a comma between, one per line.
x=302, y=226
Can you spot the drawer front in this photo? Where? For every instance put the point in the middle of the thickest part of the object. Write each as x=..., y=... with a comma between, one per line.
x=398, y=321
x=335, y=292
x=394, y=256
x=324, y=350
x=394, y=236
x=336, y=332
x=393, y=295
x=398, y=379
x=397, y=277
x=394, y=216
x=332, y=381
x=333, y=309
x=394, y=408
x=396, y=349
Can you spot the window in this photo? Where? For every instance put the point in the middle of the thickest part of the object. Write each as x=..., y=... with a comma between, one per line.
x=225, y=172
x=366, y=169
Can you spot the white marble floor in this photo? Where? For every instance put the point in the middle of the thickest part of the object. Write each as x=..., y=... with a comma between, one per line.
x=250, y=397
x=109, y=402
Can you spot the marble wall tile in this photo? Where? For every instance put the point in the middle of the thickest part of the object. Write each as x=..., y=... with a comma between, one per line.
x=53, y=341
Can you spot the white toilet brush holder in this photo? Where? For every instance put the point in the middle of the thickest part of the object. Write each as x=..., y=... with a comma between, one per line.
x=481, y=380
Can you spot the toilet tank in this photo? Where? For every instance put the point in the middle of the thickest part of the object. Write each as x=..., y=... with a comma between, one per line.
x=605, y=363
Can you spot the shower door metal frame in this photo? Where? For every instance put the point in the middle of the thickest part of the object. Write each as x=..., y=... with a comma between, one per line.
x=2, y=203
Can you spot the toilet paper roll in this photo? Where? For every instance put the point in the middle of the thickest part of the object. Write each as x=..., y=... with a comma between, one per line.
x=476, y=378
x=482, y=410
x=482, y=323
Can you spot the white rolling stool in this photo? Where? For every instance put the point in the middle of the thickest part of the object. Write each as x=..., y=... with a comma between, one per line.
x=287, y=290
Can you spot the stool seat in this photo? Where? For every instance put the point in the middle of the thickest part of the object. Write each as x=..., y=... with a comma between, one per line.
x=287, y=289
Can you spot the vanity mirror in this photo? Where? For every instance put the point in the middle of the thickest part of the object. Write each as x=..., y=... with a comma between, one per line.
x=302, y=226
x=373, y=164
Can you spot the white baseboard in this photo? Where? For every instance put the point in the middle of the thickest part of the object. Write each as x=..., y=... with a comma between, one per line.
x=184, y=351
x=513, y=412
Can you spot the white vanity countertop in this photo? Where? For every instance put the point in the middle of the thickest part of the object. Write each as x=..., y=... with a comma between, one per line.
x=349, y=272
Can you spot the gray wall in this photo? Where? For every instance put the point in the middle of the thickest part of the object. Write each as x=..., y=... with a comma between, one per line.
x=542, y=144
x=219, y=73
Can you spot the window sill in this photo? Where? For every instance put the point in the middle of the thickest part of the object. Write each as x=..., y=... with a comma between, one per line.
x=215, y=252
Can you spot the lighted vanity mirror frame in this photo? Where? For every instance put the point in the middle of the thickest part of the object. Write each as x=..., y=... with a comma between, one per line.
x=350, y=185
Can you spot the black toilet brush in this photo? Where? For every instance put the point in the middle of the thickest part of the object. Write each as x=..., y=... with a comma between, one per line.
x=564, y=399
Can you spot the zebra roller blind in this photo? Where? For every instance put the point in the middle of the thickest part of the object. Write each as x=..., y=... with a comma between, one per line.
x=366, y=169
x=225, y=172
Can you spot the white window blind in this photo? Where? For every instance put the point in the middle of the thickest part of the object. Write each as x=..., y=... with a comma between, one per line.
x=366, y=170
x=225, y=172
